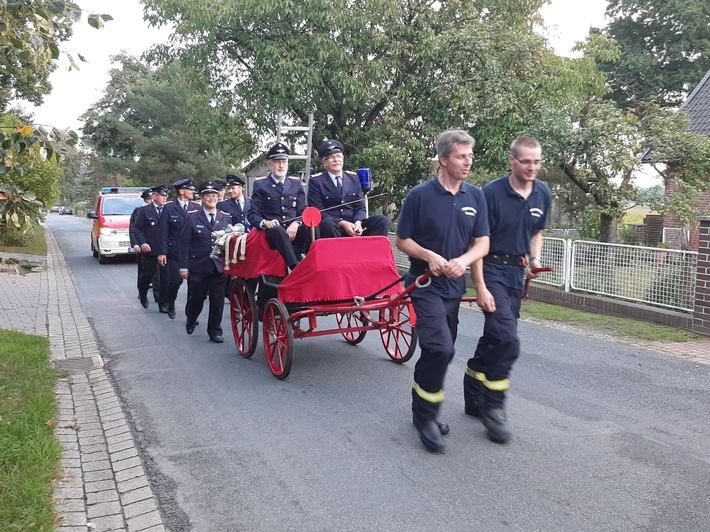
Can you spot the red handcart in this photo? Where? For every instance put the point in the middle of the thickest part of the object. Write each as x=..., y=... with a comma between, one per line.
x=354, y=279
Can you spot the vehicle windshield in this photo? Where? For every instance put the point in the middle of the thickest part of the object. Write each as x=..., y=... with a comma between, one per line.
x=121, y=205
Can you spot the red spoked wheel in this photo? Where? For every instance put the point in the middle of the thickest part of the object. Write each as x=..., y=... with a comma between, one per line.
x=245, y=323
x=398, y=335
x=348, y=320
x=278, y=339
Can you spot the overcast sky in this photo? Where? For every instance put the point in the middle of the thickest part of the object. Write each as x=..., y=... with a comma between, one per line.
x=74, y=91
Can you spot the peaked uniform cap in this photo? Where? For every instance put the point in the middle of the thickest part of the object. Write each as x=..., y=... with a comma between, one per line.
x=209, y=187
x=184, y=183
x=278, y=151
x=329, y=147
x=233, y=180
x=160, y=189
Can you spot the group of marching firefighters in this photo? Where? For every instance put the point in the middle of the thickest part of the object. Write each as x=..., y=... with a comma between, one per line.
x=445, y=226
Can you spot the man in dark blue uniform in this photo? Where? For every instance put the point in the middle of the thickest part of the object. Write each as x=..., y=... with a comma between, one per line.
x=277, y=203
x=147, y=237
x=170, y=228
x=339, y=197
x=443, y=228
x=236, y=205
x=518, y=207
x=147, y=196
x=203, y=273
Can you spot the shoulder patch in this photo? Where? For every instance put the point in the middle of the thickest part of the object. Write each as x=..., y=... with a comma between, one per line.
x=192, y=212
x=260, y=178
x=317, y=175
x=294, y=177
x=348, y=172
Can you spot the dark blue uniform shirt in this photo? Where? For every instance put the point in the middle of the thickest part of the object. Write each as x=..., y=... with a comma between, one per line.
x=323, y=194
x=444, y=223
x=513, y=221
x=270, y=203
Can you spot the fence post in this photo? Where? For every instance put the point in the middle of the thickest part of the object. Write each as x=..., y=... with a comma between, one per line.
x=701, y=314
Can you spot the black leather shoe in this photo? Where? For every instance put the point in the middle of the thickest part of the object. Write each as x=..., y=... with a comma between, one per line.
x=190, y=327
x=216, y=339
x=496, y=423
x=430, y=435
x=163, y=309
x=171, y=313
x=144, y=300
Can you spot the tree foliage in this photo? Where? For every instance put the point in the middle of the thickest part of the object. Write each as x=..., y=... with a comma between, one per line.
x=665, y=49
x=383, y=76
x=27, y=187
x=31, y=32
x=159, y=125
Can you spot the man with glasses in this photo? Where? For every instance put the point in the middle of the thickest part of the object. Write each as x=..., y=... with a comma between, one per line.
x=204, y=274
x=518, y=207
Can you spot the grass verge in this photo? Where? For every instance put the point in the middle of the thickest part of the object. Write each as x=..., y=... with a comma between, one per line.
x=37, y=245
x=624, y=327
x=29, y=452
x=642, y=330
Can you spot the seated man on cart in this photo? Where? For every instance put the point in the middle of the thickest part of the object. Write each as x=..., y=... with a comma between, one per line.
x=339, y=197
x=277, y=203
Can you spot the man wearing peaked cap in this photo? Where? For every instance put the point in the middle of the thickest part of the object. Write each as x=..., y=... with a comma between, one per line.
x=171, y=223
x=236, y=204
x=339, y=197
x=147, y=196
x=204, y=274
x=277, y=202
x=147, y=238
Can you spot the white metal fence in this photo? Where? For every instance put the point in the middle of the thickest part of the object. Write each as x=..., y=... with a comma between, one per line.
x=653, y=276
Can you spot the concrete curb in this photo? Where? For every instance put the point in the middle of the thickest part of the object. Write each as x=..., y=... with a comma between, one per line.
x=103, y=484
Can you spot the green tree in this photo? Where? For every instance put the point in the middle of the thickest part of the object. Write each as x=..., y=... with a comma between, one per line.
x=30, y=34
x=25, y=188
x=384, y=76
x=665, y=49
x=158, y=125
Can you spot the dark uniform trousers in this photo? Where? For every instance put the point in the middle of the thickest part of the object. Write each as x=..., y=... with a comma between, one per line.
x=377, y=225
x=277, y=237
x=202, y=286
x=437, y=327
x=152, y=272
x=487, y=373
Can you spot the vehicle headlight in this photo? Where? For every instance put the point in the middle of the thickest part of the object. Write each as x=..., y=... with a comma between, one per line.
x=108, y=231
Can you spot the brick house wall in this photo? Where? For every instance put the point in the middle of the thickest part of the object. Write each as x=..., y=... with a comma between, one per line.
x=669, y=222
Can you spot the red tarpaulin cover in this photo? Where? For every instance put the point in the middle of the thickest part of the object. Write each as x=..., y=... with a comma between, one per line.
x=338, y=269
x=260, y=258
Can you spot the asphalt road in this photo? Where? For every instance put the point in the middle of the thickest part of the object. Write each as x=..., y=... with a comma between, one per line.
x=605, y=436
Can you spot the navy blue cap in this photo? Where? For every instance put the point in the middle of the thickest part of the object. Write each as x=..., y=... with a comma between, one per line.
x=160, y=189
x=209, y=186
x=184, y=183
x=278, y=151
x=329, y=147
x=147, y=193
x=233, y=180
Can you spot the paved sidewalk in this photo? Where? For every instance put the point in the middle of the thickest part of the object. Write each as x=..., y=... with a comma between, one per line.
x=103, y=485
